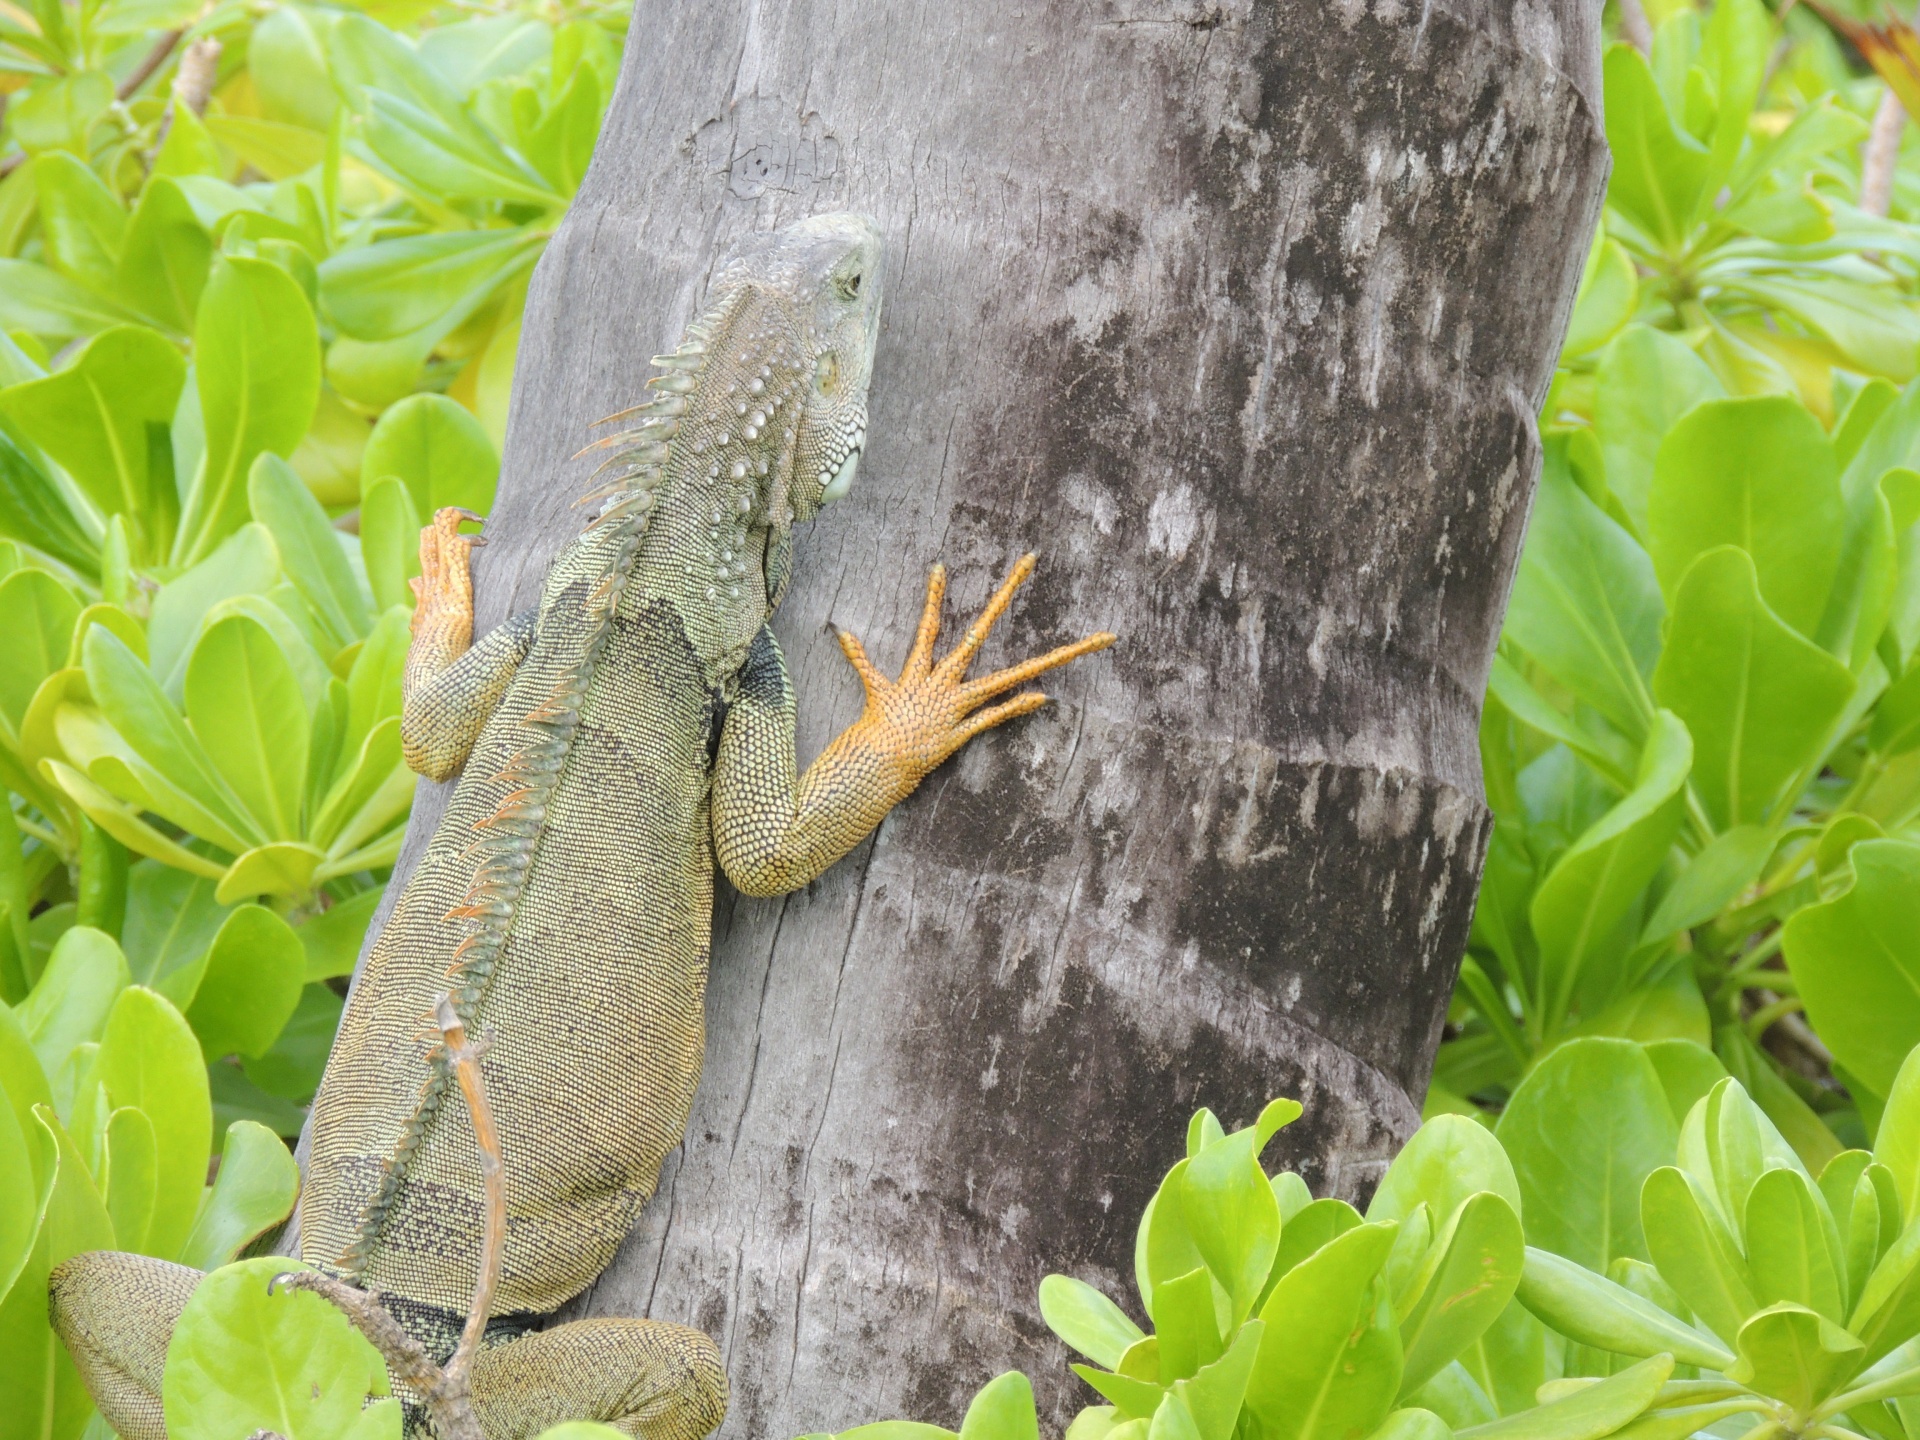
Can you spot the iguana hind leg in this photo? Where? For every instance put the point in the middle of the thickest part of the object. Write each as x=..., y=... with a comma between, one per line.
x=645, y=1378
x=452, y=686
x=116, y=1312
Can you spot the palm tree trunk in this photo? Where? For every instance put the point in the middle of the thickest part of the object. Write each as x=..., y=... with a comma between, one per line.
x=1239, y=314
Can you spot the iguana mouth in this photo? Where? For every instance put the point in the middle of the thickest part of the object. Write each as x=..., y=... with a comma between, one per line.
x=835, y=483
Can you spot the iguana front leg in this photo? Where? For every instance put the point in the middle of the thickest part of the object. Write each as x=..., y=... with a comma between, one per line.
x=451, y=686
x=772, y=835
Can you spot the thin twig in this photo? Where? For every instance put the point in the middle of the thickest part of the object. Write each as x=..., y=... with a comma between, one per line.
x=1634, y=28
x=1881, y=154
x=154, y=59
x=445, y=1390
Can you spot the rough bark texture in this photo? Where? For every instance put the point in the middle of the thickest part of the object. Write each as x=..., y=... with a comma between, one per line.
x=1239, y=315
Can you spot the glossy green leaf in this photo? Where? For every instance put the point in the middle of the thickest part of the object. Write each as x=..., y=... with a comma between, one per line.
x=1003, y=1410
x=439, y=450
x=390, y=289
x=1086, y=1319
x=45, y=1399
x=1584, y=1130
x=1856, y=961
x=81, y=220
x=310, y=549
x=1758, y=699
x=254, y=973
x=1230, y=1209
x=246, y=563
x=1713, y=879
x=1694, y=1252
x=19, y=1196
x=1329, y=1362
x=1897, y=1145
x=164, y=258
x=1646, y=381
x=1586, y=606
x=1594, y=1310
x=1794, y=1355
x=243, y=1359
x=1793, y=1247
x=1589, y=1412
x=1757, y=473
x=390, y=540
x=149, y=1059
x=257, y=368
x=132, y=1176
x=33, y=513
x=77, y=992
x=1585, y=910
x=254, y=1190
x=1605, y=301
x=1449, y=1158
x=1659, y=170
x=1688, y=1072
x=103, y=418
x=1186, y=1323
x=1475, y=1265
x=37, y=301
x=286, y=55
x=41, y=613
x=246, y=708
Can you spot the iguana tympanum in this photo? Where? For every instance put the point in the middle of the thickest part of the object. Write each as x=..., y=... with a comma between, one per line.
x=612, y=742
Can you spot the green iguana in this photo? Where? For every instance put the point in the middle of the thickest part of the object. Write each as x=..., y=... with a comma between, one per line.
x=612, y=743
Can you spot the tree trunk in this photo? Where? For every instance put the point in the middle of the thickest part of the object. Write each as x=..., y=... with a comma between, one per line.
x=1239, y=315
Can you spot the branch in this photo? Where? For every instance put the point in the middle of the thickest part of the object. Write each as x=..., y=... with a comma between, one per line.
x=444, y=1390
x=1881, y=155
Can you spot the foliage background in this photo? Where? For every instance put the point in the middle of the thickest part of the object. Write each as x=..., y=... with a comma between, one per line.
x=261, y=273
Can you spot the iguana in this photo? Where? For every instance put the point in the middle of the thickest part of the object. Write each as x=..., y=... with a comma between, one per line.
x=611, y=743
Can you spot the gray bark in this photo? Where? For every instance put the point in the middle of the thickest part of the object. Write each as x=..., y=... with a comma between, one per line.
x=1239, y=314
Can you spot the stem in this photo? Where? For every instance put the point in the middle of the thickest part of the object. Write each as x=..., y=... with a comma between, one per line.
x=1904, y=1382
x=1882, y=152
x=150, y=62
x=1634, y=28
x=1762, y=1019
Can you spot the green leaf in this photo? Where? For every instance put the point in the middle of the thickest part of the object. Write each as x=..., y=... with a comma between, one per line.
x=1694, y=1253
x=390, y=541
x=1759, y=473
x=332, y=938
x=103, y=418
x=1003, y=1410
x=137, y=709
x=441, y=452
x=133, y=1176
x=1896, y=717
x=1795, y=1355
x=1856, y=962
x=1596, y=1311
x=1646, y=381
x=394, y=287
x=254, y=1190
x=36, y=300
x=165, y=258
x=75, y=994
x=1586, y=909
x=1214, y=1397
x=1897, y=1145
x=245, y=706
x=254, y=973
x=19, y=1196
x=257, y=368
x=1605, y=302
x=1586, y=606
x=1584, y=1130
x=243, y=1359
x=1472, y=1271
x=1187, y=1324
x=1659, y=171
x=292, y=1066
x=1793, y=1248
x=1589, y=1412
x=1688, y=1072
x=1086, y=1319
x=1713, y=880
x=1758, y=699
x=1329, y=1362
x=149, y=1059
x=283, y=868
x=309, y=548
x=44, y=1395
x=81, y=220
x=1230, y=1209
x=286, y=55
x=33, y=511
x=245, y=564
x=1309, y=1228
x=171, y=920
x=1448, y=1159
x=34, y=642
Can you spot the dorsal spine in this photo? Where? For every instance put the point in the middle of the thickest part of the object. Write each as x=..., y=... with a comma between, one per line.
x=505, y=842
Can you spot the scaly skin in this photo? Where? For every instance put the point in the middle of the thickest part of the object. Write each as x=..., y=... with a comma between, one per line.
x=611, y=745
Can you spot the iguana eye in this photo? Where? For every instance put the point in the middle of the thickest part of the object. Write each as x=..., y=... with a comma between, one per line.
x=853, y=285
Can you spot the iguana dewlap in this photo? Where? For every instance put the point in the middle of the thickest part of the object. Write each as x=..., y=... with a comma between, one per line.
x=611, y=744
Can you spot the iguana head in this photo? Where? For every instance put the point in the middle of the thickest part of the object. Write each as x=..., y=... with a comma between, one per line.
x=819, y=281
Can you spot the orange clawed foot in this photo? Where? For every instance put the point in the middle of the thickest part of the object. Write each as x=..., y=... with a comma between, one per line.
x=443, y=589
x=932, y=710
